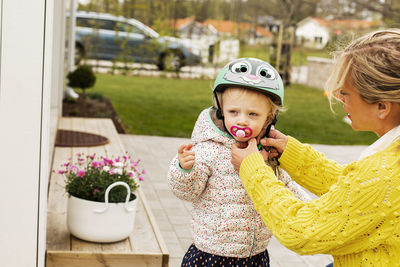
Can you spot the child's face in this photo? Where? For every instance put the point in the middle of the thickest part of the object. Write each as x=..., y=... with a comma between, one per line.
x=245, y=108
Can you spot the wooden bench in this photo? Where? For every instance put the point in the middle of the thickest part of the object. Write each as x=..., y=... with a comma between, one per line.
x=144, y=247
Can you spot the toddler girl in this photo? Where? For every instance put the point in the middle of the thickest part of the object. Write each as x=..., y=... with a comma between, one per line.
x=227, y=231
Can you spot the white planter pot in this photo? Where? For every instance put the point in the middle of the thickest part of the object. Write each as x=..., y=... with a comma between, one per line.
x=101, y=222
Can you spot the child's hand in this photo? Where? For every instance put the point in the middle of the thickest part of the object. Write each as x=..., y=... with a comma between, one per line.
x=186, y=157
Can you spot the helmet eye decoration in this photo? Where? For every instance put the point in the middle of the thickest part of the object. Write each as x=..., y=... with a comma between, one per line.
x=251, y=73
x=266, y=72
x=240, y=67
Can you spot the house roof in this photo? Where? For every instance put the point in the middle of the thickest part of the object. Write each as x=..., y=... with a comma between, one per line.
x=322, y=22
x=227, y=26
x=224, y=26
x=263, y=31
x=354, y=24
x=345, y=24
x=183, y=22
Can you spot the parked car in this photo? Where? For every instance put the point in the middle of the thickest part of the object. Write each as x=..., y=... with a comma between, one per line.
x=104, y=36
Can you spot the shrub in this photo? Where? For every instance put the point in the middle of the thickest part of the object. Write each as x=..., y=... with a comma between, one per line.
x=82, y=77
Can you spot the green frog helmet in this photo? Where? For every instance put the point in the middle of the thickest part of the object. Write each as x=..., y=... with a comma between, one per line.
x=253, y=74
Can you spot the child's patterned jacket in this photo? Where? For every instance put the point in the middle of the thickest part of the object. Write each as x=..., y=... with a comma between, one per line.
x=224, y=221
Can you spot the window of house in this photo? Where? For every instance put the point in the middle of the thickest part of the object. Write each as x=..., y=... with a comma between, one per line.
x=318, y=39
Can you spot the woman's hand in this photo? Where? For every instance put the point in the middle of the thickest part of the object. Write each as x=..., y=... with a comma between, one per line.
x=186, y=157
x=277, y=141
x=239, y=151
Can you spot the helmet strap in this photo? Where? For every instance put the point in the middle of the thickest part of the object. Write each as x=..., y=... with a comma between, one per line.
x=273, y=122
x=219, y=113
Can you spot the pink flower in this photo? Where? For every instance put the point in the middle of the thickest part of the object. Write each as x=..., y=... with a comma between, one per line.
x=96, y=164
x=107, y=161
x=134, y=164
x=81, y=167
x=73, y=169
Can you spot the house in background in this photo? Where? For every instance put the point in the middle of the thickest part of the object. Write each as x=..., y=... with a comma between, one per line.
x=196, y=33
x=249, y=32
x=317, y=32
x=222, y=29
x=348, y=26
x=191, y=29
x=312, y=33
x=210, y=34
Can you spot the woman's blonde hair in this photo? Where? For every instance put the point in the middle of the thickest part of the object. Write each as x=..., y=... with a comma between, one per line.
x=372, y=65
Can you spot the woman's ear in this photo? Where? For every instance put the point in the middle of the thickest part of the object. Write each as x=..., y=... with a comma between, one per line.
x=384, y=109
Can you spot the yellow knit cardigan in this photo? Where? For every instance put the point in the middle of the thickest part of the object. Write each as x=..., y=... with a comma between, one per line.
x=356, y=218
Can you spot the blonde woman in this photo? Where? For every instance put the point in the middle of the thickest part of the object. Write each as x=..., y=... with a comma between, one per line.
x=357, y=217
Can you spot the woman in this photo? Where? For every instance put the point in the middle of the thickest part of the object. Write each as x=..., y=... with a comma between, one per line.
x=357, y=217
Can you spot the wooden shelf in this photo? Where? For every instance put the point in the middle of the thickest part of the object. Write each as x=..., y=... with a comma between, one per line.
x=144, y=247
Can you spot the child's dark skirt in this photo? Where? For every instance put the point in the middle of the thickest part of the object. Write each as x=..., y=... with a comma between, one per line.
x=196, y=257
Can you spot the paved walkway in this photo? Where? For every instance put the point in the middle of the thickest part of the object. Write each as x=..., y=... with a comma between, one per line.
x=172, y=214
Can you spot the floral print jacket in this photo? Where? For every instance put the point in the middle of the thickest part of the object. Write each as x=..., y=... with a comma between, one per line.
x=224, y=221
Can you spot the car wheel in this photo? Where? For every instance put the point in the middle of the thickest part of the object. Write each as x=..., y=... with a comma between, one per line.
x=79, y=53
x=171, y=61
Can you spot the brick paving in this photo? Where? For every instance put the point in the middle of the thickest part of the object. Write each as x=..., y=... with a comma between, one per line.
x=172, y=214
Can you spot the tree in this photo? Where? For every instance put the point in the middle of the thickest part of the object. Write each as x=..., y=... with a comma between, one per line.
x=389, y=10
x=129, y=8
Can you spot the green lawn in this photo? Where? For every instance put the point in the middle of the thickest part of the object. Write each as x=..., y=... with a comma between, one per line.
x=169, y=107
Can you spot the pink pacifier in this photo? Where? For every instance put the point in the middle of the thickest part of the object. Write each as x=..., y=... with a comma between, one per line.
x=241, y=132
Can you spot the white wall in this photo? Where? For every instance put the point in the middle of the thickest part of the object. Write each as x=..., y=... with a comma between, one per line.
x=228, y=50
x=59, y=66
x=309, y=30
x=26, y=82
x=318, y=71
